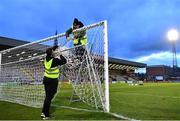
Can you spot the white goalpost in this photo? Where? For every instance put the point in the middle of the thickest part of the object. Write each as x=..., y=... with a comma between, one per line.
x=22, y=70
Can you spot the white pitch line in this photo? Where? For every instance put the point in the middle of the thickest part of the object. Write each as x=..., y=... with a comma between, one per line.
x=150, y=95
x=80, y=109
x=87, y=110
x=120, y=116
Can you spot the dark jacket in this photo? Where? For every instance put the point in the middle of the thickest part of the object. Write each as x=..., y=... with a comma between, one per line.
x=56, y=61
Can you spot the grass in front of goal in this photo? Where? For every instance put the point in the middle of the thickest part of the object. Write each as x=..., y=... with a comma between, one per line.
x=160, y=101
x=11, y=111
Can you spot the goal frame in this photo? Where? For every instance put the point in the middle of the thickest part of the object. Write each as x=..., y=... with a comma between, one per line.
x=106, y=70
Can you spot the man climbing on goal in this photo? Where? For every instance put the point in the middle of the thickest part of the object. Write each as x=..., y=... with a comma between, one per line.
x=79, y=38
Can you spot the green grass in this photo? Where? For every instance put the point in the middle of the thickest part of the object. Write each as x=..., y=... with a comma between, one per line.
x=160, y=101
x=151, y=101
x=10, y=111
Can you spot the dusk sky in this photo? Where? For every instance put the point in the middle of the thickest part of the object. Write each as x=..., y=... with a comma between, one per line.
x=136, y=28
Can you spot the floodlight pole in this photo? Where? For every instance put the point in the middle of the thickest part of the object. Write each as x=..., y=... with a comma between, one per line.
x=174, y=55
x=173, y=36
x=106, y=70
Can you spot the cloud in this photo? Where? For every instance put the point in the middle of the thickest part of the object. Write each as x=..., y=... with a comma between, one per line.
x=160, y=58
x=142, y=27
x=135, y=27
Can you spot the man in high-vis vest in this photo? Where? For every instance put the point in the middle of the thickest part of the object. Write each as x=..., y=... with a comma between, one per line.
x=79, y=38
x=50, y=81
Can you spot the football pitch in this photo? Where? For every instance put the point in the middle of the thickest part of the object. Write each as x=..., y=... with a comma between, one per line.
x=158, y=101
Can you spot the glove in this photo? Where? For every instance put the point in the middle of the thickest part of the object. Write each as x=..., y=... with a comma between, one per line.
x=68, y=32
x=67, y=35
x=70, y=38
x=55, y=47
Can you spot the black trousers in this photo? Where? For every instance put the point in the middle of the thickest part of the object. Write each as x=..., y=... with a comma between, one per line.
x=50, y=86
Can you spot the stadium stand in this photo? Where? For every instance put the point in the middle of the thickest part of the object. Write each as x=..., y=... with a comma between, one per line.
x=119, y=69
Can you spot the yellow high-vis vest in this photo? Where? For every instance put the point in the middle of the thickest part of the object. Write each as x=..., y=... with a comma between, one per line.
x=50, y=72
x=83, y=40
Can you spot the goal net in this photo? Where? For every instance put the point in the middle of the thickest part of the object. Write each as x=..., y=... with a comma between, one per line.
x=22, y=69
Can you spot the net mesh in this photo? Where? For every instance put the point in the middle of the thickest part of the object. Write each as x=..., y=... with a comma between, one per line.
x=21, y=70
